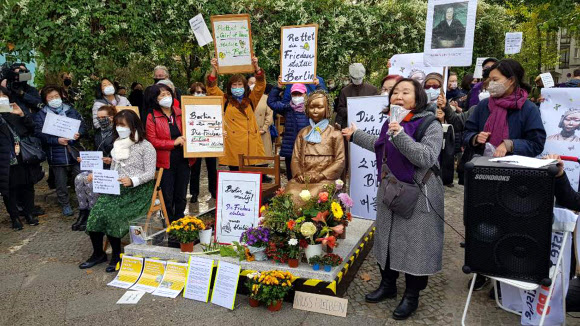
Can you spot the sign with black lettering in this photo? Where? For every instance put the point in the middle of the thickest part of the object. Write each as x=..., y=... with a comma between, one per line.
x=202, y=118
x=238, y=204
x=322, y=304
x=298, y=48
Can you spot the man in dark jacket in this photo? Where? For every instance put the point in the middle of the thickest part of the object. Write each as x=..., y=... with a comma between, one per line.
x=26, y=96
x=575, y=81
x=357, y=87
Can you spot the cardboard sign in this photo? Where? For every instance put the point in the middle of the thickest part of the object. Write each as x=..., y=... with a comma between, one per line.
x=203, y=124
x=132, y=108
x=232, y=35
x=513, y=42
x=200, y=30
x=60, y=126
x=478, y=72
x=91, y=160
x=547, y=80
x=298, y=49
x=322, y=304
x=106, y=182
x=238, y=204
x=411, y=65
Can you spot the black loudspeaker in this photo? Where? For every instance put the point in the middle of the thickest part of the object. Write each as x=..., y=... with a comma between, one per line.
x=508, y=214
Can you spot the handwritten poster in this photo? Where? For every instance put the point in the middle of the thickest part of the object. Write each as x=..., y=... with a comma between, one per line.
x=449, y=33
x=203, y=121
x=365, y=112
x=238, y=204
x=60, y=126
x=411, y=65
x=560, y=113
x=200, y=30
x=233, y=43
x=151, y=277
x=513, y=42
x=173, y=280
x=199, y=272
x=323, y=304
x=478, y=72
x=106, y=182
x=298, y=53
x=91, y=160
x=547, y=80
x=128, y=273
x=226, y=285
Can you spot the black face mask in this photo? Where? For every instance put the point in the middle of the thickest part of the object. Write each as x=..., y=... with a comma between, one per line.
x=485, y=72
x=67, y=82
x=156, y=80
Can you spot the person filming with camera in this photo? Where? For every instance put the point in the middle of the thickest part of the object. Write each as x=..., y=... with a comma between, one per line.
x=15, y=79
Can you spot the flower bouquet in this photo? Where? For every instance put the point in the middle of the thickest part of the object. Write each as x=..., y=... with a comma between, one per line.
x=186, y=231
x=280, y=210
x=270, y=287
x=257, y=240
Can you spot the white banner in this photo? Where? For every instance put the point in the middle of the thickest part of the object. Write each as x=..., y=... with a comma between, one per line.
x=365, y=112
x=411, y=65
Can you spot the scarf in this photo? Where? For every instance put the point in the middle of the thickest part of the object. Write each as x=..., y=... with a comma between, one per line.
x=58, y=111
x=238, y=98
x=297, y=108
x=121, y=149
x=314, y=135
x=497, y=123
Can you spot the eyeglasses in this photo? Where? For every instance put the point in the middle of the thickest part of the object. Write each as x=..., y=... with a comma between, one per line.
x=431, y=86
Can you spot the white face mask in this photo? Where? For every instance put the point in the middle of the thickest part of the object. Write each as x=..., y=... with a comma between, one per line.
x=252, y=87
x=55, y=103
x=297, y=100
x=4, y=101
x=385, y=93
x=109, y=90
x=166, y=102
x=123, y=132
x=432, y=94
x=483, y=95
x=199, y=94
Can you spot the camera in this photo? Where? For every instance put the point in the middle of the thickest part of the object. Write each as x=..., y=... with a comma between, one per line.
x=15, y=81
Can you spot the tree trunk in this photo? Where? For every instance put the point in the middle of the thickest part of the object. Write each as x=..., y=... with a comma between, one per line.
x=539, y=38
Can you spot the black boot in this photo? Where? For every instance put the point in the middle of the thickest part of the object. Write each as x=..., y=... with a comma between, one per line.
x=75, y=226
x=116, y=254
x=16, y=224
x=407, y=306
x=387, y=290
x=94, y=260
x=83, y=223
x=31, y=220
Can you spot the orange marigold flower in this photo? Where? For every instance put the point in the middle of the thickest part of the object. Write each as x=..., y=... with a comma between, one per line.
x=291, y=224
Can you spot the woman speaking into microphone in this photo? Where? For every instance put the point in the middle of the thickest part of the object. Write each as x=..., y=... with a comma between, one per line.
x=409, y=231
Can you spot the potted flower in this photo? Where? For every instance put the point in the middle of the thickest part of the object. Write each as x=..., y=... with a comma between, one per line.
x=308, y=230
x=205, y=235
x=315, y=262
x=186, y=231
x=253, y=286
x=293, y=253
x=273, y=286
x=257, y=240
x=330, y=260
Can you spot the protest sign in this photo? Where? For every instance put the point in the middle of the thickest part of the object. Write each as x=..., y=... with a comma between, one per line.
x=560, y=113
x=411, y=65
x=199, y=273
x=478, y=72
x=60, y=126
x=365, y=112
x=200, y=30
x=323, y=304
x=232, y=35
x=547, y=80
x=106, y=182
x=513, y=42
x=203, y=125
x=298, y=50
x=128, y=273
x=449, y=33
x=132, y=108
x=151, y=277
x=225, y=285
x=238, y=204
x=91, y=160
x=173, y=280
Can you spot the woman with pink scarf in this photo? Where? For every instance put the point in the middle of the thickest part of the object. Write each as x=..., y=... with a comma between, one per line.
x=507, y=120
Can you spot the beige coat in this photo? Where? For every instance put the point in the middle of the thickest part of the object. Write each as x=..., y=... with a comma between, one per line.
x=264, y=119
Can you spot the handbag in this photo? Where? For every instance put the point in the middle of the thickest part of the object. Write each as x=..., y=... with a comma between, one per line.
x=31, y=150
x=273, y=131
x=400, y=197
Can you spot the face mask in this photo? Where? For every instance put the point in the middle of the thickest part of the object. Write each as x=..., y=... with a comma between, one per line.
x=156, y=80
x=109, y=90
x=123, y=132
x=199, y=94
x=252, y=87
x=104, y=122
x=496, y=89
x=432, y=94
x=238, y=92
x=357, y=81
x=67, y=82
x=453, y=85
x=55, y=103
x=385, y=93
x=4, y=101
x=297, y=100
x=166, y=102
x=483, y=95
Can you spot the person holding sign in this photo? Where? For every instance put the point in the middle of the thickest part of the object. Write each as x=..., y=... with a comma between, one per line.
x=20, y=176
x=318, y=158
x=84, y=181
x=242, y=132
x=133, y=158
x=106, y=95
x=409, y=234
x=61, y=152
x=357, y=87
x=165, y=132
x=507, y=120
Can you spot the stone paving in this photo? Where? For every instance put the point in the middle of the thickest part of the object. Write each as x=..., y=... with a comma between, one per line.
x=40, y=284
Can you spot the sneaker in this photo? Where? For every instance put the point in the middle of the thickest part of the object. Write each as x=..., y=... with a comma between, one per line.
x=480, y=283
x=67, y=211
